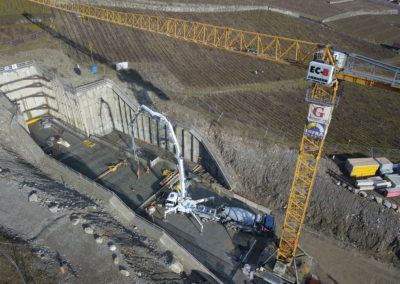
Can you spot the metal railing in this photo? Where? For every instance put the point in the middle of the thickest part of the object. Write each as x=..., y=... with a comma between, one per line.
x=45, y=73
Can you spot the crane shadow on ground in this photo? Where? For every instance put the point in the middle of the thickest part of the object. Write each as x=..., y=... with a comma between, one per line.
x=128, y=76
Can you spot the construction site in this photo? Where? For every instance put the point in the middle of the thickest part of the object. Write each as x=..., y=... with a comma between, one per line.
x=179, y=141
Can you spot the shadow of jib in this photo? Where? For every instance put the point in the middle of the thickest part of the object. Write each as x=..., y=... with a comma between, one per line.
x=133, y=76
x=129, y=76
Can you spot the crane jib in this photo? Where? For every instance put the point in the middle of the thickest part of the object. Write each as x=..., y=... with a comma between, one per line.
x=289, y=51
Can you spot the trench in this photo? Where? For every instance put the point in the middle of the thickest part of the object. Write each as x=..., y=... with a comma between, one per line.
x=102, y=112
x=99, y=108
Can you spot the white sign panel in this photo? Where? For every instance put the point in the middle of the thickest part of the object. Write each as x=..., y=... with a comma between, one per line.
x=319, y=113
x=121, y=66
x=320, y=73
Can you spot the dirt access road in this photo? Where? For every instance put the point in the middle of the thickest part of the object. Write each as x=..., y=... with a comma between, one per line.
x=337, y=264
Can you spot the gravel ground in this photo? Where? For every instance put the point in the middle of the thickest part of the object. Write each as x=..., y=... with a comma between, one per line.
x=56, y=238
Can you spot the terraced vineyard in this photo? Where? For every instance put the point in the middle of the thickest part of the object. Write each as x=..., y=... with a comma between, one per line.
x=379, y=29
x=225, y=80
x=316, y=9
x=197, y=66
x=364, y=117
x=11, y=10
x=192, y=65
x=8, y=33
x=322, y=9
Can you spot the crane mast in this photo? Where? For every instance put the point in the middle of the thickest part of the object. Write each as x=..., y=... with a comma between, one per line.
x=322, y=99
x=320, y=59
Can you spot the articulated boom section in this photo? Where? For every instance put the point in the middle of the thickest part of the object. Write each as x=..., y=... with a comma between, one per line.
x=274, y=48
x=178, y=154
x=177, y=201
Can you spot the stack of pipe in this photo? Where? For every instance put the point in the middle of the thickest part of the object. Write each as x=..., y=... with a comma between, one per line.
x=372, y=183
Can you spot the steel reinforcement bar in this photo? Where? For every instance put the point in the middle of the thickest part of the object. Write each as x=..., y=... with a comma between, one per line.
x=273, y=48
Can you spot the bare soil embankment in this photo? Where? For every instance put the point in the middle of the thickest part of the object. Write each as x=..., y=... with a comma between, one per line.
x=339, y=224
x=266, y=172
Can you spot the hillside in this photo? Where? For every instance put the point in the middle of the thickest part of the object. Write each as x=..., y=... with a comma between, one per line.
x=218, y=82
x=207, y=67
x=379, y=29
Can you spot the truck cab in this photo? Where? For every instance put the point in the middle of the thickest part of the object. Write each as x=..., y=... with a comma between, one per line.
x=172, y=200
x=268, y=224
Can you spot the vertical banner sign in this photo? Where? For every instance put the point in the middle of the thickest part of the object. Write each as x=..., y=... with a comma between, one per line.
x=317, y=121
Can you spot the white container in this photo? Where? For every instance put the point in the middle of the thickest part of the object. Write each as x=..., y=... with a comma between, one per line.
x=367, y=187
x=364, y=182
x=394, y=179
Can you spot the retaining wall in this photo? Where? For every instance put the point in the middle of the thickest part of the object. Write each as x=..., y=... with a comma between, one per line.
x=98, y=109
x=186, y=7
x=23, y=144
x=361, y=13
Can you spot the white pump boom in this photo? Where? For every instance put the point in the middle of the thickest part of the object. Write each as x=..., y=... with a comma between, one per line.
x=176, y=201
x=164, y=121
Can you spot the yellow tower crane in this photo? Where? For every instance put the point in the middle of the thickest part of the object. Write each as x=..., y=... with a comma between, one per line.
x=327, y=68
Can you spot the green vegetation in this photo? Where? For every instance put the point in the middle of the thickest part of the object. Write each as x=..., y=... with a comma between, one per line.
x=11, y=11
x=17, y=7
x=26, y=261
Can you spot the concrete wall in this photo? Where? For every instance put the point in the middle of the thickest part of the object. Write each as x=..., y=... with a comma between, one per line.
x=361, y=13
x=186, y=7
x=339, y=1
x=97, y=109
x=15, y=137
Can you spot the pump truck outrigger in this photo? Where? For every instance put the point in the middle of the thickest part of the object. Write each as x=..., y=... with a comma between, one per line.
x=179, y=201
